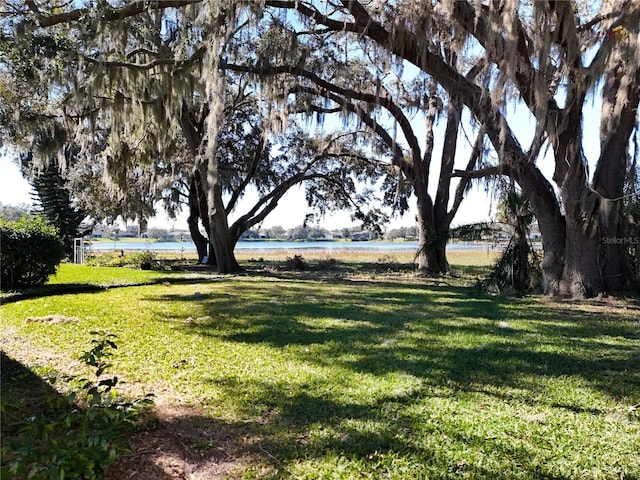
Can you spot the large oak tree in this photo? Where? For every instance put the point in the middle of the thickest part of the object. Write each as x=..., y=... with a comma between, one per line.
x=551, y=56
x=148, y=75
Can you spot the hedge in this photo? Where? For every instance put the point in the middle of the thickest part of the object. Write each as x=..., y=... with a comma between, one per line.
x=31, y=250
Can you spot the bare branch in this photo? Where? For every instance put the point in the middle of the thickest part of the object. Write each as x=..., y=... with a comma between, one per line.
x=346, y=105
x=464, y=181
x=253, y=168
x=315, y=15
x=131, y=65
x=32, y=6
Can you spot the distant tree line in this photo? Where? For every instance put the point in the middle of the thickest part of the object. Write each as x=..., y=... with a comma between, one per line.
x=14, y=213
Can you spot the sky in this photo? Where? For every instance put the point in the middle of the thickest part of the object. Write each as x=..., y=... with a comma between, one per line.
x=291, y=211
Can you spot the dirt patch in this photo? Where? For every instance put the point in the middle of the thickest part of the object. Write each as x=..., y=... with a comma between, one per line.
x=53, y=319
x=185, y=446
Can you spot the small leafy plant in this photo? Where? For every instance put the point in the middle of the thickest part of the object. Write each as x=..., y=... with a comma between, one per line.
x=82, y=440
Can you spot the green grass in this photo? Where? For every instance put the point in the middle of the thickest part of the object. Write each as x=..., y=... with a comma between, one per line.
x=375, y=377
x=85, y=274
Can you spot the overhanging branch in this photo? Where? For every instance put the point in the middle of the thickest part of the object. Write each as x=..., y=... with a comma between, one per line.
x=110, y=14
x=480, y=173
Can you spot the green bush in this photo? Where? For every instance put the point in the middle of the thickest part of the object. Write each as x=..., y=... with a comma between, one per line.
x=31, y=251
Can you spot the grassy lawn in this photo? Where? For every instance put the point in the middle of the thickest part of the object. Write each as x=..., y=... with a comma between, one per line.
x=369, y=376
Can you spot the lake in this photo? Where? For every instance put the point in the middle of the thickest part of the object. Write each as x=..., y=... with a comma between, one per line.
x=256, y=245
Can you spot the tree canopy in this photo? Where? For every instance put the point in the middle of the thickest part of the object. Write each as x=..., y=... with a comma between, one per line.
x=151, y=72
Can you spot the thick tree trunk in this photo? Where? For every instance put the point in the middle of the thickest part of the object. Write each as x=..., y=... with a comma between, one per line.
x=594, y=264
x=581, y=277
x=437, y=259
x=617, y=273
x=220, y=237
x=432, y=245
x=432, y=242
x=596, y=261
x=617, y=127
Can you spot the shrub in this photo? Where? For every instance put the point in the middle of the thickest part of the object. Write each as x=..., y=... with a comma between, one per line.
x=516, y=271
x=81, y=441
x=297, y=262
x=144, y=260
x=31, y=251
x=328, y=264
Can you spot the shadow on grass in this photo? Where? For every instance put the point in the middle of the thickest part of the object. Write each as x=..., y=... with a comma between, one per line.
x=73, y=288
x=24, y=394
x=379, y=439
x=440, y=334
x=543, y=356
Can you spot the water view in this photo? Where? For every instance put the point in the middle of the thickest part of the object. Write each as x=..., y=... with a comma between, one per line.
x=258, y=245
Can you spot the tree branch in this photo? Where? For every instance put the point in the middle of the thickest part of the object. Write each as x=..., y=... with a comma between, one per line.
x=481, y=173
x=130, y=65
x=253, y=168
x=384, y=99
x=110, y=14
x=464, y=181
x=496, y=47
x=396, y=150
x=315, y=15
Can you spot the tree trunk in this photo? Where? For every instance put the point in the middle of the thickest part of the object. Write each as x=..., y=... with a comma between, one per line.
x=596, y=260
x=201, y=242
x=142, y=225
x=220, y=236
x=521, y=280
x=617, y=127
x=590, y=267
x=437, y=259
x=581, y=276
x=424, y=233
x=432, y=242
x=544, y=203
x=617, y=273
